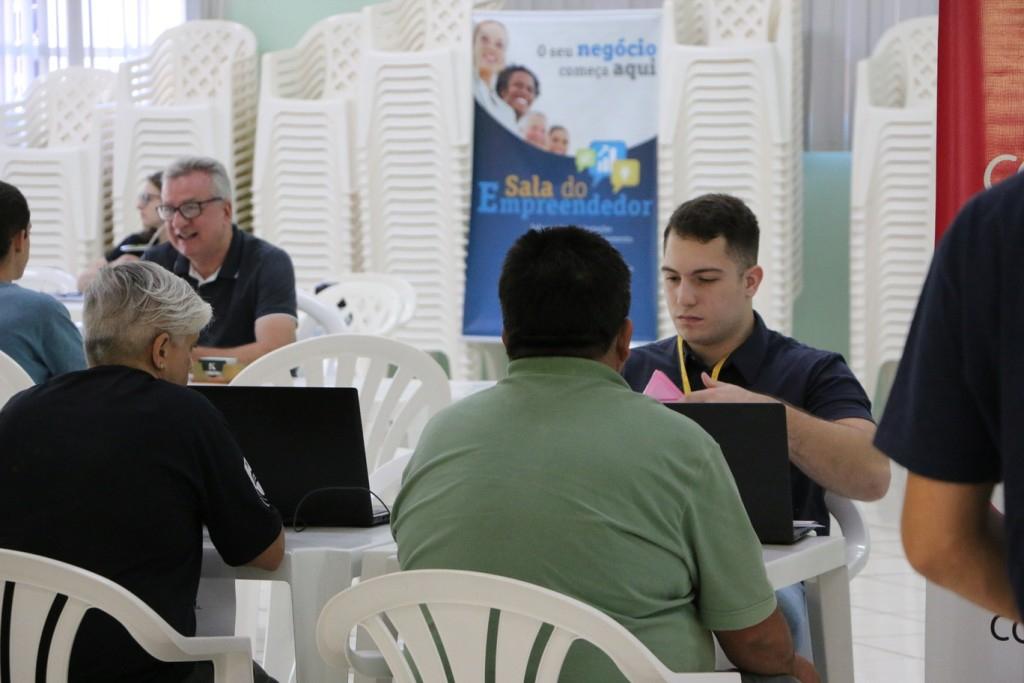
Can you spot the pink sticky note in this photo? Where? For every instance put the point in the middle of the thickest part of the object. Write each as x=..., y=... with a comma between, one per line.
x=660, y=388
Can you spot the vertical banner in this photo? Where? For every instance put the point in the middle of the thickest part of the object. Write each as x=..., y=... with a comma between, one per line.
x=564, y=133
x=980, y=126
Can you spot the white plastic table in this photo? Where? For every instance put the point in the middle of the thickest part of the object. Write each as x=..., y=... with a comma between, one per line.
x=318, y=564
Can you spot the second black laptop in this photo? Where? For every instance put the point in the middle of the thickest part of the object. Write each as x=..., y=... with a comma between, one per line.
x=754, y=442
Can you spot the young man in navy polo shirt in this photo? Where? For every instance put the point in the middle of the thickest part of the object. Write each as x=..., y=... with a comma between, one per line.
x=710, y=275
x=953, y=417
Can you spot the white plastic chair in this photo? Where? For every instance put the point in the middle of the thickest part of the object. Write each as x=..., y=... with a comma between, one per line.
x=367, y=307
x=400, y=387
x=13, y=378
x=404, y=288
x=855, y=532
x=459, y=603
x=316, y=317
x=31, y=585
x=48, y=280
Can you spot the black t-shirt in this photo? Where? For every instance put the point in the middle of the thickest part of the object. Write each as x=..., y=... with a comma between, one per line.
x=117, y=472
x=954, y=413
x=133, y=240
x=256, y=279
x=773, y=364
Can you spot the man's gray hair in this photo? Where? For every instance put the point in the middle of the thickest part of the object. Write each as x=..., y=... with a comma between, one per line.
x=128, y=305
x=213, y=168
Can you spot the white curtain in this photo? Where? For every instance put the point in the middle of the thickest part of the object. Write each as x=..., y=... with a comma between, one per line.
x=40, y=36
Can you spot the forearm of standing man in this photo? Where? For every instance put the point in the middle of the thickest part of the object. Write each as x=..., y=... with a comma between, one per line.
x=954, y=538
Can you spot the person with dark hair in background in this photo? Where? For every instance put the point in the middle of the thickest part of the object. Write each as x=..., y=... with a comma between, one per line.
x=35, y=329
x=151, y=233
x=519, y=87
x=563, y=477
x=710, y=276
x=132, y=246
x=117, y=469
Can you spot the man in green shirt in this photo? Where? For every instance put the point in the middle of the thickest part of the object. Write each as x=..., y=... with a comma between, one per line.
x=563, y=477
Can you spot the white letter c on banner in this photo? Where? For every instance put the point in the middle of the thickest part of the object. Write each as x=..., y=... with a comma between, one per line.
x=995, y=162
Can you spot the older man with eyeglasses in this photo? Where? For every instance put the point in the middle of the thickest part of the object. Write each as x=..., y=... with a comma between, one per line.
x=249, y=282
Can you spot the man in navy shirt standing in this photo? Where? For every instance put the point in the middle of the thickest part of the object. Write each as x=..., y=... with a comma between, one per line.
x=953, y=417
x=710, y=275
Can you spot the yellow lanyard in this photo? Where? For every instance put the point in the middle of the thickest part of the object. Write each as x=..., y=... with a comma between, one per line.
x=682, y=366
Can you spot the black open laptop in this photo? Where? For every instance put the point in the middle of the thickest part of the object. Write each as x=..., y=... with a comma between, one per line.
x=754, y=441
x=305, y=446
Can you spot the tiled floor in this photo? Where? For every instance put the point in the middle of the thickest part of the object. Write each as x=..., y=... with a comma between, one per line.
x=887, y=601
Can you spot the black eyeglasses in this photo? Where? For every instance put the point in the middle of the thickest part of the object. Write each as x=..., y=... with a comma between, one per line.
x=146, y=197
x=188, y=210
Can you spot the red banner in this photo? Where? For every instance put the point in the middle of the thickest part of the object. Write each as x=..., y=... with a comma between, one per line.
x=981, y=85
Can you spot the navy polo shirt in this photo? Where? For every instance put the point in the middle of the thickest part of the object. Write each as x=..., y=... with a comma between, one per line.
x=256, y=279
x=954, y=413
x=770, y=363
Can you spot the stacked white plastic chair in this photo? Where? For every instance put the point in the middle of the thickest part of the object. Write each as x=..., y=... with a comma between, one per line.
x=731, y=121
x=195, y=94
x=56, y=148
x=413, y=138
x=892, y=199
x=304, y=195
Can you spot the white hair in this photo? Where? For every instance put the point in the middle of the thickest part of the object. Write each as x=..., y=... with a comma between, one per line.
x=128, y=305
x=528, y=117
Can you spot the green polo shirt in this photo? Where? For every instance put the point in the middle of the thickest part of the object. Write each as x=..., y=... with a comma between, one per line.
x=562, y=476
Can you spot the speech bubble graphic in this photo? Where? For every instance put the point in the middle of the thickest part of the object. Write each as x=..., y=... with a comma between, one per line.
x=625, y=173
x=607, y=152
x=585, y=158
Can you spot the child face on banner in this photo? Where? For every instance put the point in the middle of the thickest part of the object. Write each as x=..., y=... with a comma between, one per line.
x=490, y=40
x=558, y=140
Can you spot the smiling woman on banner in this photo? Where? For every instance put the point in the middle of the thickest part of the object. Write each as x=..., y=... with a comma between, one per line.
x=490, y=41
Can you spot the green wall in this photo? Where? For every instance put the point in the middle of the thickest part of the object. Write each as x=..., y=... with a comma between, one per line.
x=821, y=316
x=278, y=24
